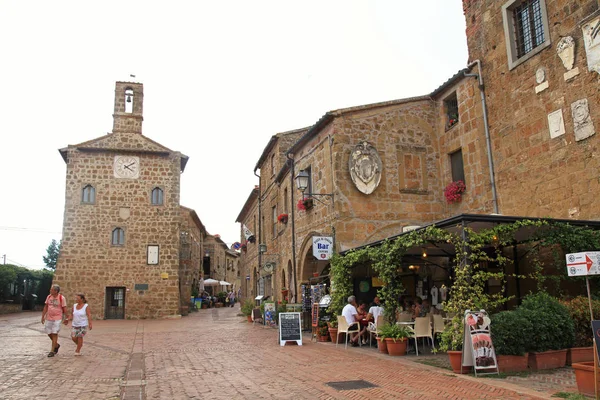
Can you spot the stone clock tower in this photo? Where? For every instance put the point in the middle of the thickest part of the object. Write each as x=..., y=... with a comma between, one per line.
x=121, y=224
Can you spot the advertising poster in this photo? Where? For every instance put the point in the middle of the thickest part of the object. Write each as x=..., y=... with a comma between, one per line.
x=477, y=345
x=270, y=314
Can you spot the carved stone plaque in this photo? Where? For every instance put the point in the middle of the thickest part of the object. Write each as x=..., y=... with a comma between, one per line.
x=591, y=41
x=582, y=121
x=365, y=167
x=566, y=52
x=556, y=124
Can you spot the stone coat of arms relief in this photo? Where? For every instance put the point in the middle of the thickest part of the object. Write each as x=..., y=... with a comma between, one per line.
x=365, y=167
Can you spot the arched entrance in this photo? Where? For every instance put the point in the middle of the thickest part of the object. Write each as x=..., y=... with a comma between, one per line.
x=310, y=267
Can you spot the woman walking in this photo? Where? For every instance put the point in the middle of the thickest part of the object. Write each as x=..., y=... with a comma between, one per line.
x=81, y=319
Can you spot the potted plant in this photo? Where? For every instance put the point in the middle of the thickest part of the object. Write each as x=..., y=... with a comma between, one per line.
x=333, y=330
x=322, y=332
x=584, y=376
x=452, y=342
x=283, y=218
x=452, y=120
x=579, y=310
x=553, y=332
x=284, y=292
x=305, y=204
x=395, y=338
x=244, y=246
x=454, y=191
x=511, y=331
x=246, y=308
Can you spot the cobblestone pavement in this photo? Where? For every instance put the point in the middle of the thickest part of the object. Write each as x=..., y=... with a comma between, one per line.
x=215, y=354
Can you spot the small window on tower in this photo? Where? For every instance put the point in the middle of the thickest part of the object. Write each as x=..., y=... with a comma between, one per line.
x=157, y=196
x=88, y=194
x=118, y=237
x=129, y=100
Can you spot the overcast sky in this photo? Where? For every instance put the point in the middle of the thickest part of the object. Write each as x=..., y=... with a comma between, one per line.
x=220, y=78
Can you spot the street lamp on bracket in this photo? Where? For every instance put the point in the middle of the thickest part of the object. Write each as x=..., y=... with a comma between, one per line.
x=302, y=184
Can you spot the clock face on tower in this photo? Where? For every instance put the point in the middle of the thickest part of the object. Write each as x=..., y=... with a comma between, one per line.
x=127, y=167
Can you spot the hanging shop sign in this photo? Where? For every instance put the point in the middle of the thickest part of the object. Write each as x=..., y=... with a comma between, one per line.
x=583, y=264
x=290, y=328
x=248, y=234
x=322, y=247
x=478, y=350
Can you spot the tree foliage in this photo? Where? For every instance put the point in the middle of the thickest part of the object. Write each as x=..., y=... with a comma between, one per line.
x=53, y=251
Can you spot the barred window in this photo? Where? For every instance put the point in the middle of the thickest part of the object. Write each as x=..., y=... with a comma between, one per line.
x=525, y=29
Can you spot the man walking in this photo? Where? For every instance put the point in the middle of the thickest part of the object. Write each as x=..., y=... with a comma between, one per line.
x=54, y=313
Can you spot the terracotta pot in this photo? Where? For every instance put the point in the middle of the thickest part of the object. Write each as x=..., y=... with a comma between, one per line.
x=249, y=318
x=322, y=338
x=333, y=334
x=579, y=355
x=513, y=363
x=396, y=348
x=456, y=361
x=548, y=359
x=382, y=345
x=584, y=375
x=316, y=274
x=204, y=305
x=284, y=293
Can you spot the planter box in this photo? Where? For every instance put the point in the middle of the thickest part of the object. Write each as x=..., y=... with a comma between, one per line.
x=513, y=363
x=455, y=362
x=382, y=345
x=548, y=359
x=333, y=334
x=579, y=355
x=397, y=347
x=584, y=375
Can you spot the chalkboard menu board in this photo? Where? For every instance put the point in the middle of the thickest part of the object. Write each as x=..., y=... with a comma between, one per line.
x=290, y=328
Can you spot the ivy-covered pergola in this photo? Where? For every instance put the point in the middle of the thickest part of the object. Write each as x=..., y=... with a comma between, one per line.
x=471, y=243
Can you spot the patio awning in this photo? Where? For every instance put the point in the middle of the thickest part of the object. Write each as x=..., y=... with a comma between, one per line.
x=476, y=222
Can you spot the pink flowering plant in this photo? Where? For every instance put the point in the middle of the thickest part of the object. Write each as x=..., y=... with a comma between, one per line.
x=453, y=192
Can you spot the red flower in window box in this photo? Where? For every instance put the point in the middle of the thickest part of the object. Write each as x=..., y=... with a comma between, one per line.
x=283, y=218
x=453, y=192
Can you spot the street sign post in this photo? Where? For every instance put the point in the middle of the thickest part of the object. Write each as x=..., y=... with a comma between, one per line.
x=585, y=264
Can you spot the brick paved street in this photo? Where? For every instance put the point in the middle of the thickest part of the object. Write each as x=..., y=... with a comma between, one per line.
x=215, y=354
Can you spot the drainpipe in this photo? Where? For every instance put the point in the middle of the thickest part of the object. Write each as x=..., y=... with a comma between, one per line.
x=258, y=239
x=488, y=141
x=292, y=207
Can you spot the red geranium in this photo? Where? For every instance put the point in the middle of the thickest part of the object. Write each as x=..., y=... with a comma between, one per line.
x=283, y=218
x=453, y=192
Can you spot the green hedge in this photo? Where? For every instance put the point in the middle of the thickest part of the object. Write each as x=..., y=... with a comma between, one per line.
x=511, y=332
x=553, y=328
x=579, y=310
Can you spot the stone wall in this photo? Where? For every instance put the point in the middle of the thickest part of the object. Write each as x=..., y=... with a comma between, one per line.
x=540, y=172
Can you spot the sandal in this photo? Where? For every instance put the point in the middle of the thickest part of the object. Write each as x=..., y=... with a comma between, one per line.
x=56, y=348
x=51, y=354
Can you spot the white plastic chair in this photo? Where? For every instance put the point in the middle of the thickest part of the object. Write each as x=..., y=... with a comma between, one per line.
x=438, y=324
x=343, y=327
x=423, y=329
x=375, y=328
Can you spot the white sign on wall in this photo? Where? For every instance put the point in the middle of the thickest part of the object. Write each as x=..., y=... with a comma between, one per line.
x=583, y=264
x=322, y=247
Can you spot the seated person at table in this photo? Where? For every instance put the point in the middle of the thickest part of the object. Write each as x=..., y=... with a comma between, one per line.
x=417, y=308
x=351, y=315
x=375, y=311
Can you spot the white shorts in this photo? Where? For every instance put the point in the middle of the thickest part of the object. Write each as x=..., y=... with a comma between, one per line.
x=52, y=326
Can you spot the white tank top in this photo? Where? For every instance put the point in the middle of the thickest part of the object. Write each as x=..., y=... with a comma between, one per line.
x=79, y=316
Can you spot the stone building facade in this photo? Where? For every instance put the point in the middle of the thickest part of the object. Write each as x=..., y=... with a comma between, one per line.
x=221, y=263
x=248, y=260
x=543, y=101
x=123, y=222
x=523, y=142
x=192, y=235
